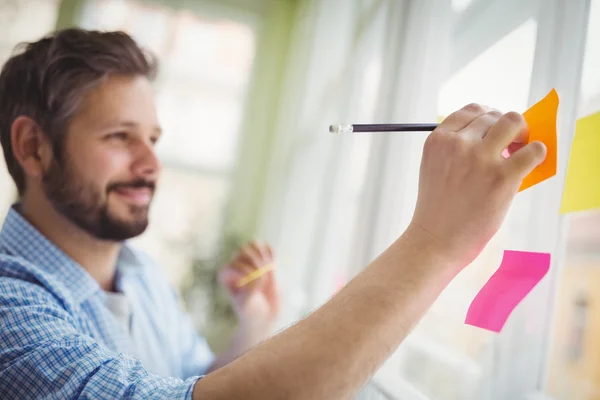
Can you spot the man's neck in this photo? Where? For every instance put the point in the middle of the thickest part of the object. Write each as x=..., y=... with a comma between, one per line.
x=97, y=257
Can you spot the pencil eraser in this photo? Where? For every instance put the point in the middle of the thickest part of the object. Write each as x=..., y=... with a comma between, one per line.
x=340, y=128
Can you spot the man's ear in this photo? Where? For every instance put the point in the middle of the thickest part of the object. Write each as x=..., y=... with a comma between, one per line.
x=30, y=146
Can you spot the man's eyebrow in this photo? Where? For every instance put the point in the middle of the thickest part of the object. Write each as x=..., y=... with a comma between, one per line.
x=128, y=124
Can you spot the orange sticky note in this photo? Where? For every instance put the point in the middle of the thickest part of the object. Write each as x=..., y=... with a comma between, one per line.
x=541, y=120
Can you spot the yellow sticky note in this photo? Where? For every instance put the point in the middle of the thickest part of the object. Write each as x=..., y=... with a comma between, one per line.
x=541, y=120
x=582, y=185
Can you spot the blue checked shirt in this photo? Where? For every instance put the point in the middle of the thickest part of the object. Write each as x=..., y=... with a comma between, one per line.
x=58, y=339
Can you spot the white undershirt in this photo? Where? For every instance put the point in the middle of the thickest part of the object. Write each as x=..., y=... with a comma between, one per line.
x=154, y=329
x=120, y=307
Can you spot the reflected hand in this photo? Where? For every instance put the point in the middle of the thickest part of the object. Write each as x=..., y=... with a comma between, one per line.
x=257, y=303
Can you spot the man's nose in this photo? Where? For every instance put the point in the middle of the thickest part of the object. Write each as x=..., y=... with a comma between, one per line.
x=146, y=163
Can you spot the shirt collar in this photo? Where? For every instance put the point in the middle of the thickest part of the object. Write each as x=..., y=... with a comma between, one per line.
x=19, y=238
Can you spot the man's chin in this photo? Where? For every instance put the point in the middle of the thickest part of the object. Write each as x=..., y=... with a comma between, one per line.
x=123, y=227
x=121, y=231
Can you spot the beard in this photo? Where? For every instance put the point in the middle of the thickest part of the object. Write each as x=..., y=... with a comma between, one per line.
x=86, y=205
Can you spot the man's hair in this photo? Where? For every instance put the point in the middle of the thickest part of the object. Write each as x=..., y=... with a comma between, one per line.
x=46, y=81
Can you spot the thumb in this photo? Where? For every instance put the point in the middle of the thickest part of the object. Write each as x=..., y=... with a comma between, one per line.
x=270, y=287
x=228, y=277
x=524, y=160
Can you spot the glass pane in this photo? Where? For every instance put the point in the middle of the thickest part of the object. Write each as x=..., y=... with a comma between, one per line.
x=353, y=179
x=494, y=78
x=590, y=82
x=461, y=5
x=337, y=267
x=204, y=68
x=185, y=220
x=445, y=359
x=574, y=366
x=201, y=124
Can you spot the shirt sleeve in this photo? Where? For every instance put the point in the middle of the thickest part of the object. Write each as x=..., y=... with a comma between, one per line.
x=42, y=355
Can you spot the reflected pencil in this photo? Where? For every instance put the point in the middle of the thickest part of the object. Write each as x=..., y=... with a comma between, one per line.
x=254, y=275
x=367, y=128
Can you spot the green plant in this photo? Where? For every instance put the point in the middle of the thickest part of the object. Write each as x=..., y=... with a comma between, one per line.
x=204, y=297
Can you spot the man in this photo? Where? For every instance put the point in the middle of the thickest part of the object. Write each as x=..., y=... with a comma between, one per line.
x=78, y=126
x=80, y=150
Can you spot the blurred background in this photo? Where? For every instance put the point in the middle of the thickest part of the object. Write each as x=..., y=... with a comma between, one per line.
x=246, y=92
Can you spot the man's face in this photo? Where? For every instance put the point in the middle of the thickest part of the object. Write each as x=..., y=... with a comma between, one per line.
x=104, y=181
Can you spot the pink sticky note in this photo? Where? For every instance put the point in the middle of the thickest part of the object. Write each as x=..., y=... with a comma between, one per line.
x=518, y=273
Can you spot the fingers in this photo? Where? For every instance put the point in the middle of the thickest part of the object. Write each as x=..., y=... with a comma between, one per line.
x=514, y=147
x=242, y=266
x=460, y=119
x=262, y=250
x=260, y=275
x=524, y=160
x=239, y=274
x=479, y=127
x=252, y=257
x=498, y=131
x=511, y=132
x=229, y=277
x=510, y=128
x=270, y=288
x=255, y=254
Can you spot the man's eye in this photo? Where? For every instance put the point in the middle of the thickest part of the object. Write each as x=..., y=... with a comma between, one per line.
x=117, y=136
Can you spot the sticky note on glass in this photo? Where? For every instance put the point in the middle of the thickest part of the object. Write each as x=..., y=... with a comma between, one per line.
x=518, y=274
x=582, y=185
x=541, y=120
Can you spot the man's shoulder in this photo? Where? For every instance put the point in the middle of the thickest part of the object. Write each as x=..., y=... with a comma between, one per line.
x=21, y=277
x=16, y=267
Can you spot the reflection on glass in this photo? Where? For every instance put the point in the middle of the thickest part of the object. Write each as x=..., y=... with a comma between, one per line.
x=574, y=366
x=574, y=370
x=494, y=78
x=461, y=5
x=590, y=82
x=204, y=68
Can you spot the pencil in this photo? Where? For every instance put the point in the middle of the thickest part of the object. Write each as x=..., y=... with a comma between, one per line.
x=342, y=128
x=254, y=275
